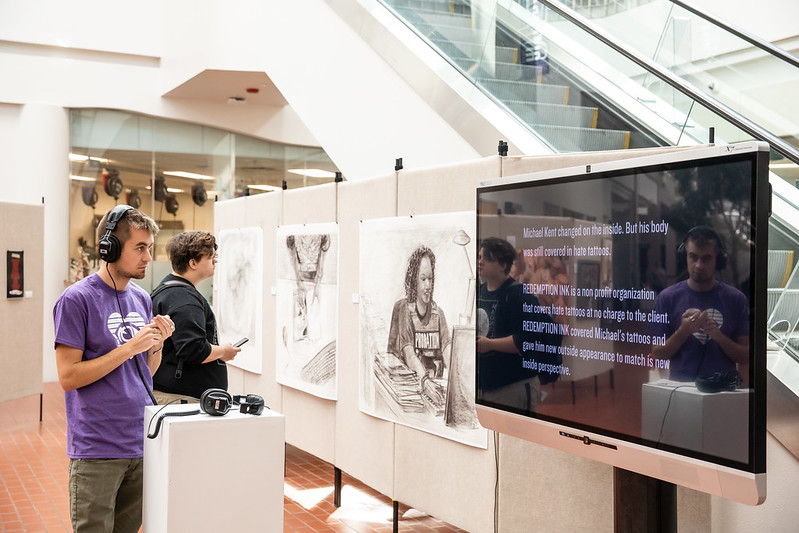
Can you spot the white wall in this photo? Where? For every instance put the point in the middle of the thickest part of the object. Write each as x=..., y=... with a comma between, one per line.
x=773, y=20
x=360, y=110
x=35, y=152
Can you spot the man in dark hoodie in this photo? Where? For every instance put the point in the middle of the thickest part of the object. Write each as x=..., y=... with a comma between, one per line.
x=193, y=360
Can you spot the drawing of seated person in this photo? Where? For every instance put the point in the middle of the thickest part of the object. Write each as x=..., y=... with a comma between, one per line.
x=419, y=335
x=707, y=330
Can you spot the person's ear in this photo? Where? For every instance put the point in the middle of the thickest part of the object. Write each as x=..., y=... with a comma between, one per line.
x=192, y=263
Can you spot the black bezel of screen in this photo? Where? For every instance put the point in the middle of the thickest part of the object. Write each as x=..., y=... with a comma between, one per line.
x=760, y=202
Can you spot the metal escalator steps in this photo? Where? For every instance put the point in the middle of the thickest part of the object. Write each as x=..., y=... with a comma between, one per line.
x=554, y=114
x=456, y=34
x=449, y=6
x=516, y=72
x=439, y=18
x=507, y=54
x=506, y=90
x=571, y=139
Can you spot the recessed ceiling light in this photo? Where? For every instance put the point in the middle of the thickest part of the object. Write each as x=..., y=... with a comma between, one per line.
x=190, y=175
x=79, y=158
x=265, y=187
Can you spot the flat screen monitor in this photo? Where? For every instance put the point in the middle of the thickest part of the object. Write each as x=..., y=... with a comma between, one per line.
x=636, y=306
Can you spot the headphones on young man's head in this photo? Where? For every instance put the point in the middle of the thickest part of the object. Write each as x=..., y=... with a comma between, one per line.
x=217, y=402
x=109, y=248
x=707, y=234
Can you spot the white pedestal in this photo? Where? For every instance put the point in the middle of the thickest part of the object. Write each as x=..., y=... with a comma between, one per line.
x=678, y=414
x=213, y=473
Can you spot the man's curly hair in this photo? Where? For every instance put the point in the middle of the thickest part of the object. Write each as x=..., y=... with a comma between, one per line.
x=189, y=245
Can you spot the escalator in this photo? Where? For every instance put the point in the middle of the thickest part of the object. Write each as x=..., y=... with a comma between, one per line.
x=541, y=93
x=577, y=87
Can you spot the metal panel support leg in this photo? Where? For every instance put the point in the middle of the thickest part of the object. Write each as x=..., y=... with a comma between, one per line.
x=337, y=486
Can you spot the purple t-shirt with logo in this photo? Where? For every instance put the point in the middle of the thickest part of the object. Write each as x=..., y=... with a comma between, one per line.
x=105, y=419
x=701, y=356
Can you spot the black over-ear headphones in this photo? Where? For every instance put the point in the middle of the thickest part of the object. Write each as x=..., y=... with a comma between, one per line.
x=720, y=381
x=217, y=402
x=251, y=404
x=707, y=234
x=109, y=248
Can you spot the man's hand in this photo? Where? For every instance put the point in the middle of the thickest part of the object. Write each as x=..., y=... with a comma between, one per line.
x=229, y=352
x=152, y=335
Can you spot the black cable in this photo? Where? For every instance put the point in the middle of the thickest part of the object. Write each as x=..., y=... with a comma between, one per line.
x=154, y=434
x=125, y=325
x=704, y=356
x=144, y=381
x=666, y=412
x=496, y=482
x=150, y=425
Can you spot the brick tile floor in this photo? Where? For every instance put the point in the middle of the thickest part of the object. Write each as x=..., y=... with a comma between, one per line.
x=33, y=482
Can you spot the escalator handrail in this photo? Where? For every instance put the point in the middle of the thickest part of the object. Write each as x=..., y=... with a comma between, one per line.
x=735, y=118
x=741, y=34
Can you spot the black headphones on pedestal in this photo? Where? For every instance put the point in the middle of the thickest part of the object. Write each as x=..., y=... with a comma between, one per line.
x=728, y=380
x=249, y=404
x=109, y=248
x=217, y=402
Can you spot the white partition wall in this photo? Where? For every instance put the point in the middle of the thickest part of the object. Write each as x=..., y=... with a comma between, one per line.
x=21, y=320
x=365, y=445
x=262, y=211
x=539, y=488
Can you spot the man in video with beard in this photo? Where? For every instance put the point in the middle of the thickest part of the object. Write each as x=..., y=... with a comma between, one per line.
x=707, y=331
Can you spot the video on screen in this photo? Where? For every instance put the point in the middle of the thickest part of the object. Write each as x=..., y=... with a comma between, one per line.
x=621, y=303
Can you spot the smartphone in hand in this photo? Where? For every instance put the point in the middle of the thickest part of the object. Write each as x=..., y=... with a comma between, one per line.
x=240, y=342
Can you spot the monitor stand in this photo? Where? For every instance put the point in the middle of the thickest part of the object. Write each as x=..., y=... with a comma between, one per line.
x=642, y=503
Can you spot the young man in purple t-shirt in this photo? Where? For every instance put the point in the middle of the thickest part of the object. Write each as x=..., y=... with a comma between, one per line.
x=708, y=326
x=108, y=345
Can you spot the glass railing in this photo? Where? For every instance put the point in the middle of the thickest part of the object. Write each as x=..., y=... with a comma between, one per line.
x=597, y=8
x=742, y=71
x=783, y=270
x=578, y=87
